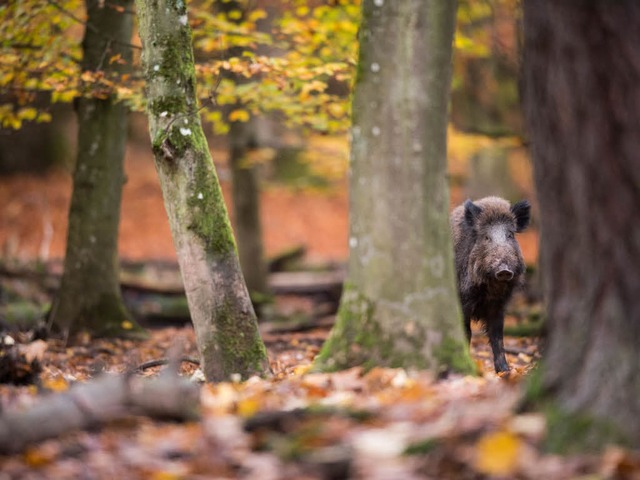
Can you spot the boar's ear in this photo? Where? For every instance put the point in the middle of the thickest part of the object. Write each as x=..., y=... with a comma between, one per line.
x=471, y=211
x=521, y=210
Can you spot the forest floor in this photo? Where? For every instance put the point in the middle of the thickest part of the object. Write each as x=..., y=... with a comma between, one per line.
x=296, y=424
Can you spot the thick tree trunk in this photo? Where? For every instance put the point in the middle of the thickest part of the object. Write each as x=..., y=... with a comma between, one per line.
x=223, y=317
x=89, y=296
x=582, y=77
x=400, y=306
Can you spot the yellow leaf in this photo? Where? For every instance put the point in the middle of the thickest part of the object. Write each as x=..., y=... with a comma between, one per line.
x=127, y=325
x=116, y=59
x=239, y=116
x=248, y=406
x=257, y=14
x=234, y=15
x=57, y=384
x=11, y=121
x=301, y=369
x=497, y=453
x=43, y=117
x=63, y=96
x=28, y=113
x=38, y=456
x=160, y=475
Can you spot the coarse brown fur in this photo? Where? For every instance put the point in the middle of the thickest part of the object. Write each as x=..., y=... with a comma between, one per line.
x=489, y=264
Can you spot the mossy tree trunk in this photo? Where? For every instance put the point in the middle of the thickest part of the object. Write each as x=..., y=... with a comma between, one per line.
x=223, y=317
x=89, y=297
x=582, y=71
x=400, y=306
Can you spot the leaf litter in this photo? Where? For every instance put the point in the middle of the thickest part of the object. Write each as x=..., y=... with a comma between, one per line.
x=381, y=424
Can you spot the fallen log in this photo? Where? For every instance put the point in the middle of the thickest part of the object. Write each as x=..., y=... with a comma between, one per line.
x=107, y=398
x=307, y=283
x=286, y=259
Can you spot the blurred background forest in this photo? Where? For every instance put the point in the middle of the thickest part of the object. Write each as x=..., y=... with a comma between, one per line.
x=284, y=67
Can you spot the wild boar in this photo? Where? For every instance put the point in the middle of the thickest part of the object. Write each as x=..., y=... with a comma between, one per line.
x=489, y=264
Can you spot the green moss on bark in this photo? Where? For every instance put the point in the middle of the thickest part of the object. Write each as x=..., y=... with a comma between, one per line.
x=451, y=354
x=568, y=432
x=233, y=341
x=109, y=318
x=208, y=216
x=168, y=105
x=359, y=338
x=224, y=321
x=353, y=332
x=89, y=296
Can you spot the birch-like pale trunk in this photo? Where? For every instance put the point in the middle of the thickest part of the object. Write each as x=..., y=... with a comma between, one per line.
x=223, y=317
x=400, y=306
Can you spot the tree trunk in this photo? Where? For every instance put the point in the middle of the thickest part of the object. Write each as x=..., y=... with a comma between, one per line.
x=89, y=297
x=245, y=192
x=223, y=317
x=582, y=72
x=490, y=175
x=400, y=306
x=246, y=208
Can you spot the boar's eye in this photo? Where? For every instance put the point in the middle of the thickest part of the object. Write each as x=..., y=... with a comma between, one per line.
x=510, y=235
x=487, y=238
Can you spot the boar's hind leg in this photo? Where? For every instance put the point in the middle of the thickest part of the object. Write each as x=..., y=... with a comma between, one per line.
x=495, y=326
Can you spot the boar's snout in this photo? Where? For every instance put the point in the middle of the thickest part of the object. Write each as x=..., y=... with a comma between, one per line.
x=504, y=274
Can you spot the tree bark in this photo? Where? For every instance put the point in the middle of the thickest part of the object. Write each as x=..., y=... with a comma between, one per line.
x=245, y=194
x=400, y=307
x=89, y=297
x=245, y=191
x=223, y=317
x=582, y=71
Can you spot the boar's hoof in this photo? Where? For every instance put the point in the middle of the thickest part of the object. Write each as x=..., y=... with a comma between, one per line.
x=504, y=275
x=501, y=365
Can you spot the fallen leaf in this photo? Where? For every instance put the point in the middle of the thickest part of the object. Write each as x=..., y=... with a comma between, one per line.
x=41, y=455
x=34, y=350
x=248, y=406
x=56, y=384
x=530, y=425
x=497, y=453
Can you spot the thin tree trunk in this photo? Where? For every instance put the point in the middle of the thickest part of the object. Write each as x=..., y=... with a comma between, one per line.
x=246, y=208
x=89, y=297
x=400, y=306
x=223, y=317
x=582, y=72
x=245, y=192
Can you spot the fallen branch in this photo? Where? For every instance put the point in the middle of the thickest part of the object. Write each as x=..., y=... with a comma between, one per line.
x=105, y=399
x=164, y=361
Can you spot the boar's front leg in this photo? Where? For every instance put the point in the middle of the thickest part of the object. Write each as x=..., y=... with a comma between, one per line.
x=467, y=327
x=495, y=328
